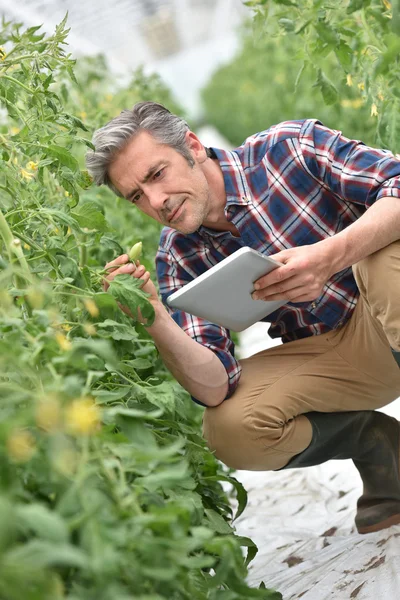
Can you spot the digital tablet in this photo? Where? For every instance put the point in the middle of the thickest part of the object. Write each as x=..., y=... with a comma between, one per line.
x=222, y=294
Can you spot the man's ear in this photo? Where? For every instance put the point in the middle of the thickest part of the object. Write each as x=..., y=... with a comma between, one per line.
x=196, y=147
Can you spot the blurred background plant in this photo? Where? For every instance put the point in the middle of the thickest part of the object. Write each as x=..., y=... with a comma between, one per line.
x=337, y=62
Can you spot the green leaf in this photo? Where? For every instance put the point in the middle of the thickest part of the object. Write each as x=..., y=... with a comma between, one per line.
x=105, y=396
x=328, y=90
x=217, y=523
x=100, y=348
x=88, y=215
x=84, y=180
x=113, y=329
x=40, y=554
x=241, y=493
x=105, y=301
x=140, y=363
x=134, y=413
x=345, y=55
x=45, y=523
x=169, y=476
x=125, y=290
x=252, y=548
x=63, y=156
x=288, y=24
x=357, y=5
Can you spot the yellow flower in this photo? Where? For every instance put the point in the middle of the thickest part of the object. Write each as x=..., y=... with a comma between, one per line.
x=91, y=307
x=63, y=342
x=66, y=327
x=83, y=115
x=21, y=445
x=89, y=328
x=32, y=165
x=349, y=80
x=27, y=247
x=374, y=110
x=357, y=103
x=26, y=175
x=14, y=130
x=361, y=87
x=69, y=230
x=82, y=417
x=387, y=4
x=66, y=194
x=48, y=414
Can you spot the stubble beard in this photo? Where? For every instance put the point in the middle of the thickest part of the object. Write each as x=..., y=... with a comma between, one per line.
x=195, y=213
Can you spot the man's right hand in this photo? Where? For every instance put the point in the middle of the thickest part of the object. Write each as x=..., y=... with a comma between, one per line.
x=122, y=266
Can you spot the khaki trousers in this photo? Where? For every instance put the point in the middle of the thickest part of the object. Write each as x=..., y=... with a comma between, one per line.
x=264, y=424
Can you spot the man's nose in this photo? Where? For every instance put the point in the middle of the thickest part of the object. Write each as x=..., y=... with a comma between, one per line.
x=157, y=198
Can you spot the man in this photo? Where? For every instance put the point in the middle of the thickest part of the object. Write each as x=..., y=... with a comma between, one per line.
x=328, y=208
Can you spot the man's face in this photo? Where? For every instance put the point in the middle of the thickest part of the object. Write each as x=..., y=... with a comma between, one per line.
x=161, y=183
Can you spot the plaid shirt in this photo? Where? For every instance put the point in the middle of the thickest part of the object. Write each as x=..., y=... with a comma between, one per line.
x=292, y=185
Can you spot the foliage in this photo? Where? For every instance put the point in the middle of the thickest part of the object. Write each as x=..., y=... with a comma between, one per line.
x=107, y=489
x=261, y=86
x=359, y=38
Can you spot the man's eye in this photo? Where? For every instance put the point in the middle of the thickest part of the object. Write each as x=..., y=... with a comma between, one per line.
x=157, y=174
x=135, y=198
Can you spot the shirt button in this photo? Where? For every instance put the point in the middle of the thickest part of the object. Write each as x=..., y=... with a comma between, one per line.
x=313, y=305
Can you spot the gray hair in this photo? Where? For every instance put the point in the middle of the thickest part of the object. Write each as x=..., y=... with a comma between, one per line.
x=109, y=140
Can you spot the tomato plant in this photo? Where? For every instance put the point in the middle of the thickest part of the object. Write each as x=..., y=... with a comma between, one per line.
x=341, y=46
x=107, y=488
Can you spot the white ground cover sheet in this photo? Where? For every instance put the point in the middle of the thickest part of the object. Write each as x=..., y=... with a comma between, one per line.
x=302, y=521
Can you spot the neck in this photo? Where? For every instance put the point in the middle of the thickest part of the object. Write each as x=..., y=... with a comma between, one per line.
x=216, y=218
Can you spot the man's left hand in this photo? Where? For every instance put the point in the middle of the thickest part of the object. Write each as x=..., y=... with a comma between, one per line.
x=305, y=271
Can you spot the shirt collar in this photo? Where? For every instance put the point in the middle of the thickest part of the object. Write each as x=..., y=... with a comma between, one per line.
x=237, y=192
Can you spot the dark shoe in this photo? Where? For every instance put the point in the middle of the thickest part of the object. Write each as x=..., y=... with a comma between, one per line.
x=372, y=440
x=396, y=356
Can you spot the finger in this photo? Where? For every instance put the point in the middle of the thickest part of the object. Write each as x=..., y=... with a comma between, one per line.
x=276, y=276
x=279, y=288
x=124, y=258
x=145, y=279
x=288, y=295
x=125, y=269
x=139, y=272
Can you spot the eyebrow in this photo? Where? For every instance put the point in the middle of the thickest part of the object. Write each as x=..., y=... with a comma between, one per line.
x=145, y=179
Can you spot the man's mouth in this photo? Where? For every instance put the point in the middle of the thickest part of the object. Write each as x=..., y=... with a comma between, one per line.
x=171, y=217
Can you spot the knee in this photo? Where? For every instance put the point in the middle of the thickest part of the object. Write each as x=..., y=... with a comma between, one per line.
x=374, y=268
x=238, y=439
x=227, y=433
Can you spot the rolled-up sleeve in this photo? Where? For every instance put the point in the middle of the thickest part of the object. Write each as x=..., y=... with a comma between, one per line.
x=172, y=276
x=348, y=168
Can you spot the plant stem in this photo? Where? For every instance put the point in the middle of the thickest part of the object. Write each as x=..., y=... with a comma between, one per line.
x=17, y=82
x=83, y=251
